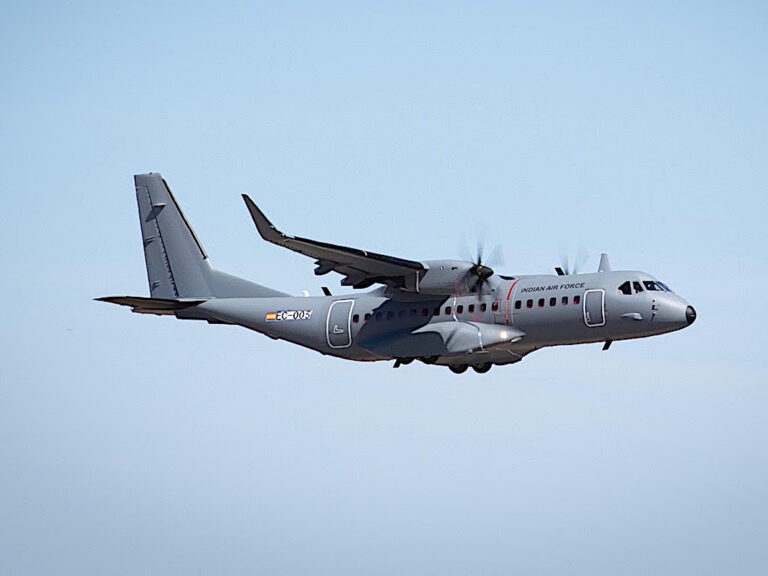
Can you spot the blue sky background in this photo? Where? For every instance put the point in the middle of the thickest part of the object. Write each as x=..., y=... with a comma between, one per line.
x=133, y=444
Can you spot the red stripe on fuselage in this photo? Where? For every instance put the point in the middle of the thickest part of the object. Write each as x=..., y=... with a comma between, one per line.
x=509, y=294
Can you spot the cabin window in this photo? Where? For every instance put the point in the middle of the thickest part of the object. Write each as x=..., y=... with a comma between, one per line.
x=390, y=315
x=552, y=301
x=625, y=288
x=541, y=302
x=495, y=306
x=366, y=318
x=565, y=300
x=413, y=312
x=356, y=318
x=401, y=314
x=425, y=312
x=459, y=309
x=378, y=316
x=447, y=310
x=483, y=307
x=518, y=304
x=437, y=312
x=471, y=309
x=529, y=304
x=576, y=299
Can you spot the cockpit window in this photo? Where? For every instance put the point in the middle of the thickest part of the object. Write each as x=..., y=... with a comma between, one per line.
x=625, y=288
x=667, y=288
x=651, y=285
x=637, y=287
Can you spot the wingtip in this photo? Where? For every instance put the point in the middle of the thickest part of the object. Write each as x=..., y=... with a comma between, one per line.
x=265, y=228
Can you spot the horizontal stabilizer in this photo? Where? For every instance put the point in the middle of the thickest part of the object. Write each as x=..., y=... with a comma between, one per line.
x=159, y=306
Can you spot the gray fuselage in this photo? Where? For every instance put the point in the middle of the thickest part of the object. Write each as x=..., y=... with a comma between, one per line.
x=380, y=325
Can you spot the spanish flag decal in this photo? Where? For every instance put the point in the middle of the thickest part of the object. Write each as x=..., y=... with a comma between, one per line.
x=272, y=316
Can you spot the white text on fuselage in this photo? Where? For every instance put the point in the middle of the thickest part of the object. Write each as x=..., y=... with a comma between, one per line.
x=552, y=287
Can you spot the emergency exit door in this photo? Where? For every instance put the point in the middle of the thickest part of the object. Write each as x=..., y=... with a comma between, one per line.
x=594, y=308
x=338, y=325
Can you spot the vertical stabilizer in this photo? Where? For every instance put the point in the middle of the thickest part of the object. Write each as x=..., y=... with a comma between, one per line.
x=177, y=265
x=176, y=262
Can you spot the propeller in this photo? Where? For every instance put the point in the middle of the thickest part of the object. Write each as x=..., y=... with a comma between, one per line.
x=578, y=262
x=477, y=277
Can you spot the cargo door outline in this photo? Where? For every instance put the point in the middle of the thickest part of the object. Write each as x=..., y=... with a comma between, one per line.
x=338, y=324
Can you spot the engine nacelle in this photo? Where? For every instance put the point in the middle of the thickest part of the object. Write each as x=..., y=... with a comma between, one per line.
x=447, y=277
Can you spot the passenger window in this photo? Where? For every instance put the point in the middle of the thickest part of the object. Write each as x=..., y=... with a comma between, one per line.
x=413, y=312
x=483, y=307
x=637, y=287
x=366, y=318
x=495, y=306
x=552, y=301
x=390, y=315
x=401, y=314
x=471, y=309
x=529, y=303
x=447, y=310
x=576, y=299
x=565, y=300
x=378, y=316
x=518, y=304
x=356, y=318
x=459, y=309
x=541, y=302
x=425, y=312
x=437, y=312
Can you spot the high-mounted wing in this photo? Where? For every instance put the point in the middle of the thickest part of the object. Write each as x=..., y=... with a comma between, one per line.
x=359, y=268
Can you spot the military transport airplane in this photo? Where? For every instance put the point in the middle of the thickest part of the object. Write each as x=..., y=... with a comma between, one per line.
x=451, y=313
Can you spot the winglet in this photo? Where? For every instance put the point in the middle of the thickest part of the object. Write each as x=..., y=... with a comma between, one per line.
x=266, y=229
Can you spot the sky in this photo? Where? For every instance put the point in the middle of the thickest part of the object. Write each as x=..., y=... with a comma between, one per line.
x=139, y=444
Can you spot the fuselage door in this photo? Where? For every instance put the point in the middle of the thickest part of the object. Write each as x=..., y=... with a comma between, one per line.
x=594, y=308
x=338, y=326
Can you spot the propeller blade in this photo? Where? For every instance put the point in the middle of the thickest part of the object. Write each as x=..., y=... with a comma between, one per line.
x=496, y=256
x=581, y=258
x=463, y=249
x=564, y=261
x=480, y=247
x=566, y=268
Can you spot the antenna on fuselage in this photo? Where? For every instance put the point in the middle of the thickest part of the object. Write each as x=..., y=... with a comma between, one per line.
x=605, y=265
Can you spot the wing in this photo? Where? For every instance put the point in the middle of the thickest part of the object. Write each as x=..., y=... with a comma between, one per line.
x=359, y=268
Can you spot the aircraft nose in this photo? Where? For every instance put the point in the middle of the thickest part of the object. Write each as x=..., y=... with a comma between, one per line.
x=690, y=314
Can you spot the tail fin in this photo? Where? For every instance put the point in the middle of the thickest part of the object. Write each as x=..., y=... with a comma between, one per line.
x=177, y=265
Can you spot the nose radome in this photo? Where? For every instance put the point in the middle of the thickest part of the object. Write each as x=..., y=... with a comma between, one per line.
x=690, y=314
